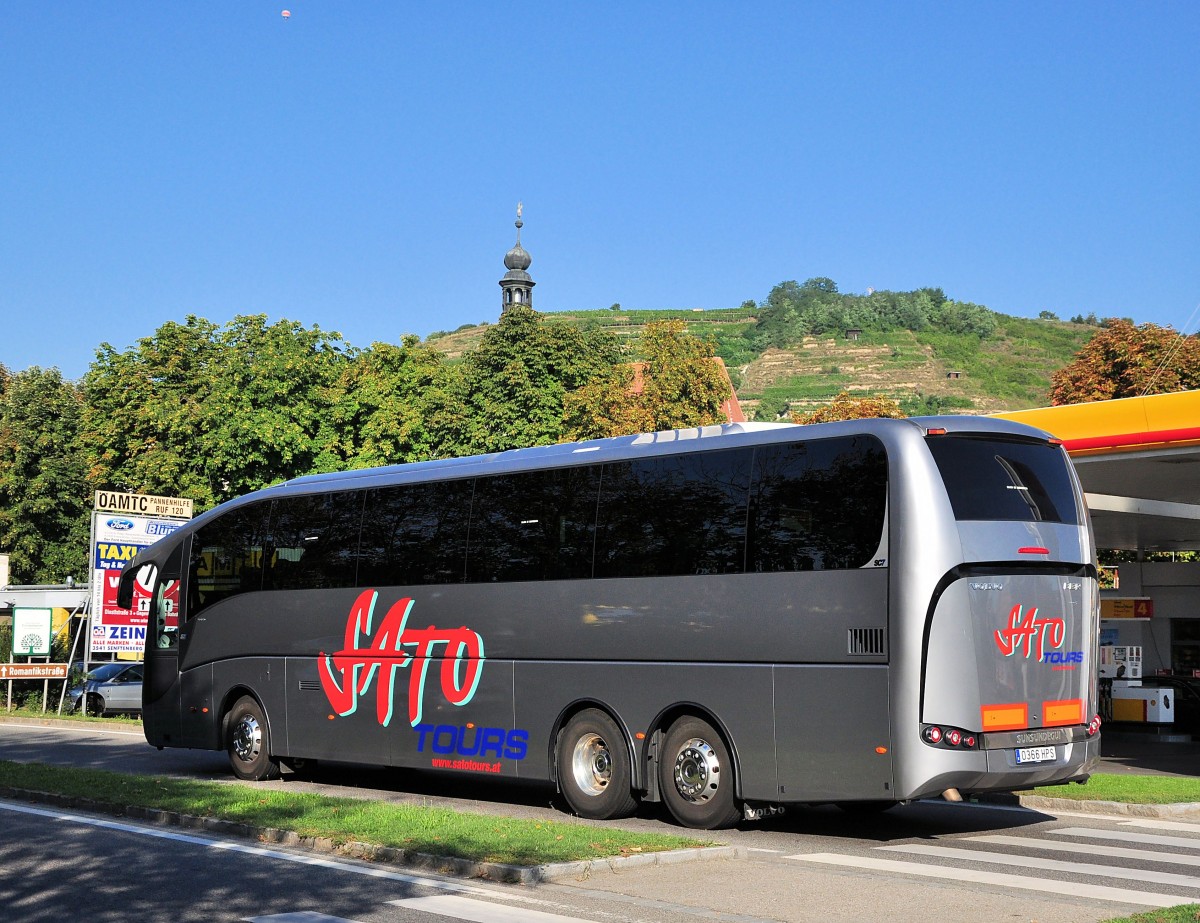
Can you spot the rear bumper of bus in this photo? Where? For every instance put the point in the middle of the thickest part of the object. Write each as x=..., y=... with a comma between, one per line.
x=998, y=770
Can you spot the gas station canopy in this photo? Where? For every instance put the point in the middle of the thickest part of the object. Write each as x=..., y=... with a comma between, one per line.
x=1138, y=459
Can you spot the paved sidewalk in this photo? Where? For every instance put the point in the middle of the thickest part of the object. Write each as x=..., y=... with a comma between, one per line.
x=1148, y=753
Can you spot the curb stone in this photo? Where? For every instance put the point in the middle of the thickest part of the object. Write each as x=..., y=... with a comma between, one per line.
x=1186, y=810
x=443, y=865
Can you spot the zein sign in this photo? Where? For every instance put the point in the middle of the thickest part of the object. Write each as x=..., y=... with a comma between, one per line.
x=122, y=525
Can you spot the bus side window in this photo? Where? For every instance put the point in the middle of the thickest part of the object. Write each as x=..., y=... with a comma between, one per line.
x=533, y=526
x=227, y=557
x=817, y=505
x=674, y=515
x=313, y=542
x=415, y=534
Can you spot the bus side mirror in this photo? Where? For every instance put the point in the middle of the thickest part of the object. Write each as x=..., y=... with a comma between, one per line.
x=125, y=588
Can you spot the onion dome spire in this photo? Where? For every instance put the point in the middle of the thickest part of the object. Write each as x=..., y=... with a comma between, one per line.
x=517, y=285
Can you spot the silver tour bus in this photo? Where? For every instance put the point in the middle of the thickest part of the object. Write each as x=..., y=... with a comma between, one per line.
x=727, y=619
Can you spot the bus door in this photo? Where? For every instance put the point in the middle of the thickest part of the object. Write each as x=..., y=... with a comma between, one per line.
x=160, y=686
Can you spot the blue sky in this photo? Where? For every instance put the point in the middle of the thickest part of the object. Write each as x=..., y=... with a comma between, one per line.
x=357, y=166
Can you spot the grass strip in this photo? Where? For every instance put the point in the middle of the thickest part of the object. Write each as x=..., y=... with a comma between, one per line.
x=1182, y=913
x=431, y=830
x=1131, y=789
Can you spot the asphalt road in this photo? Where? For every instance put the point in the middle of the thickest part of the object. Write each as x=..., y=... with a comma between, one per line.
x=962, y=862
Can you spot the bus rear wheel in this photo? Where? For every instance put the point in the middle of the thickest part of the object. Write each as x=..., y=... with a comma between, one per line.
x=248, y=742
x=594, y=769
x=695, y=774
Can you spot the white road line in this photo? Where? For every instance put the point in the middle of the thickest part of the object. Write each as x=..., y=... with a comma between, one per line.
x=1154, y=824
x=235, y=847
x=1047, y=888
x=1089, y=849
x=1178, y=842
x=77, y=730
x=1082, y=815
x=464, y=908
x=1048, y=865
x=300, y=916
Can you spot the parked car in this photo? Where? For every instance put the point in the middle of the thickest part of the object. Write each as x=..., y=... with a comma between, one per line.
x=109, y=688
x=1187, y=700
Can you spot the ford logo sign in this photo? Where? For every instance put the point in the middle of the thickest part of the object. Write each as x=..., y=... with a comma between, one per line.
x=121, y=525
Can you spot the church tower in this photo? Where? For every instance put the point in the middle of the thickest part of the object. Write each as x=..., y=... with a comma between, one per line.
x=517, y=285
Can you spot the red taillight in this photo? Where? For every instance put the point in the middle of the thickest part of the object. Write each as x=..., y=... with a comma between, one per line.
x=936, y=431
x=948, y=738
x=1033, y=549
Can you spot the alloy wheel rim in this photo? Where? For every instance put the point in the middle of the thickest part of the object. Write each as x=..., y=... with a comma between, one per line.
x=697, y=771
x=591, y=764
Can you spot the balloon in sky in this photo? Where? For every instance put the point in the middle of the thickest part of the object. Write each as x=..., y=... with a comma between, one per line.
x=286, y=14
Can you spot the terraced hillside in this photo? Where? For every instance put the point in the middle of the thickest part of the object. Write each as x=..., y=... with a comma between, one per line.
x=929, y=371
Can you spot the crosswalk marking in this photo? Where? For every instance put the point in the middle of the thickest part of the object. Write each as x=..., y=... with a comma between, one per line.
x=1126, y=836
x=1024, y=882
x=464, y=908
x=1180, y=825
x=1089, y=849
x=1049, y=865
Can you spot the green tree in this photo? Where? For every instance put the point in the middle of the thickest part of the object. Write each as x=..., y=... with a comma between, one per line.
x=211, y=412
x=508, y=392
x=821, y=284
x=845, y=407
x=1124, y=360
x=678, y=384
x=44, y=496
x=388, y=397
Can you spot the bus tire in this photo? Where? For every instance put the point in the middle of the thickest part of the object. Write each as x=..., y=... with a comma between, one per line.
x=594, y=771
x=248, y=742
x=695, y=775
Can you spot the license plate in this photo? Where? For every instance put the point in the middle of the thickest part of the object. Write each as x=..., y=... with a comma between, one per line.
x=1036, y=755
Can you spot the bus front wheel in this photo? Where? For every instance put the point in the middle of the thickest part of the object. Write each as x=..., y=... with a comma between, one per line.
x=696, y=776
x=594, y=770
x=248, y=742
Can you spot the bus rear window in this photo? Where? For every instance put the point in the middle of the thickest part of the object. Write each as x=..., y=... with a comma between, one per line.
x=1005, y=480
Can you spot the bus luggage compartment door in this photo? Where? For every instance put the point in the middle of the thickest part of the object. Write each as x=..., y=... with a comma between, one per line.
x=833, y=736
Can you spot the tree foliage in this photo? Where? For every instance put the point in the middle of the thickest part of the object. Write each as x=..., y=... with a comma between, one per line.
x=509, y=391
x=1124, y=360
x=793, y=311
x=388, y=397
x=846, y=407
x=211, y=412
x=678, y=384
x=44, y=494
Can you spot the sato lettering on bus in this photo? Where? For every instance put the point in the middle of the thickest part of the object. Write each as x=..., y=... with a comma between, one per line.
x=1026, y=634
x=348, y=674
